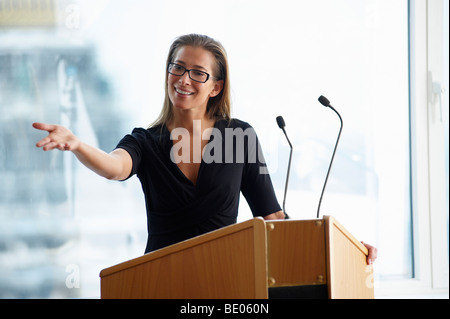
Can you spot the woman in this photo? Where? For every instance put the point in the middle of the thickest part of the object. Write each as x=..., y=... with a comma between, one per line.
x=186, y=195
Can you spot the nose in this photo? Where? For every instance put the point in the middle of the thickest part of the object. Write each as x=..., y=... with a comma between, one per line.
x=185, y=79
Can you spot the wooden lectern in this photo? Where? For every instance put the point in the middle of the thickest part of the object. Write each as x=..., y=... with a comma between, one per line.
x=254, y=259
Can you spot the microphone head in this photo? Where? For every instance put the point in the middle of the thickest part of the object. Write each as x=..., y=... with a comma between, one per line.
x=280, y=122
x=324, y=101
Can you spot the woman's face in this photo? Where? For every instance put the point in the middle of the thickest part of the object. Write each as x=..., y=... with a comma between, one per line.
x=185, y=93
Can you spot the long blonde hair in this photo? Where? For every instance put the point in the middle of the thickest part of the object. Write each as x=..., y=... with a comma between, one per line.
x=219, y=107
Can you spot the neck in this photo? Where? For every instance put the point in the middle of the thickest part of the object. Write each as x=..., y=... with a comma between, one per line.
x=185, y=119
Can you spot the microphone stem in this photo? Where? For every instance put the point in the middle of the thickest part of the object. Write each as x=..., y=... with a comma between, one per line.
x=287, y=175
x=332, y=158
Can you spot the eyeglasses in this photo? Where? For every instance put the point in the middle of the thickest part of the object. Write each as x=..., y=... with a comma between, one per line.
x=195, y=75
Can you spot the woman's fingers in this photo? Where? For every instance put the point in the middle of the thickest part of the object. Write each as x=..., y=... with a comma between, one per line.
x=53, y=145
x=58, y=138
x=63, y=147
x=43, y=142
x=50, y=146
x=373, y=252
x=44, y=127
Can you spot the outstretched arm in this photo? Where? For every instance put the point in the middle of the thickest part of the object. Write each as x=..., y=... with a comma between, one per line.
x=116, y=165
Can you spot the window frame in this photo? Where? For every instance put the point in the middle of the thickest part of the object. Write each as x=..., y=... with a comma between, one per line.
x=430, y=275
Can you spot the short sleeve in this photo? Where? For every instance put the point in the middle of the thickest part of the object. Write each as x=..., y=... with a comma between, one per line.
x=132, y=143
x=257, y=187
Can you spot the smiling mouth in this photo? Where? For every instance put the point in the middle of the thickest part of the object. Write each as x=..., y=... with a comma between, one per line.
x=183, y=92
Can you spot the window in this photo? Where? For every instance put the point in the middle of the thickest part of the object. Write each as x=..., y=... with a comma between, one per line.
x=98, y=67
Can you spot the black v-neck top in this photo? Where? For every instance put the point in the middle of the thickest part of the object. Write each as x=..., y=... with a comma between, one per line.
x=176, y=208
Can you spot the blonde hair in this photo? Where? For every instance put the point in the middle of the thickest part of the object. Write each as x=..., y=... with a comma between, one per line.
x=219, y=107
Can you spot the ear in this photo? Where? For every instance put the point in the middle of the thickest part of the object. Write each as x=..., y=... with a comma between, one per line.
x=218, y=86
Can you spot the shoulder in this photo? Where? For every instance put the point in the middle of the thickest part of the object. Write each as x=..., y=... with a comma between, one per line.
x=143, y=138
x=151, y=133
x=233, y=123
x=240, y=123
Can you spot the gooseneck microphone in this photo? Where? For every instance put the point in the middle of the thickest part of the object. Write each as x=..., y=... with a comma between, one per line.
x=281, y=124
x=324, y=101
